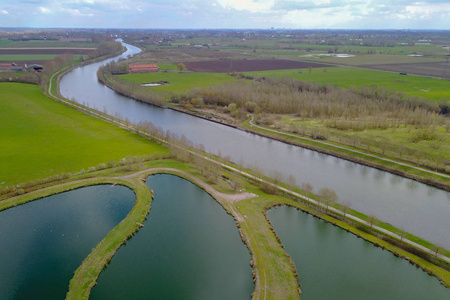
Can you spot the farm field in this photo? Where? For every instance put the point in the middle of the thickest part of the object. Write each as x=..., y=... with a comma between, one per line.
x=28, y=51
x=247, y=65
x=7, y=43
x=178, y=82
x=347, y=77
x=41, y=138
x=26, y=57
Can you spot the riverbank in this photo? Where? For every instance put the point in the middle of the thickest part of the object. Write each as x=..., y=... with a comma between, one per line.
x=357, y=155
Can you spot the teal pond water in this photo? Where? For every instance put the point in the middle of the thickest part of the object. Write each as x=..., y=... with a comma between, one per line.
x=43, y=242
x=334, y=264
x=189, y=248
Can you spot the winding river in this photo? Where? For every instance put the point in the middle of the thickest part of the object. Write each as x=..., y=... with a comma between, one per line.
x=415, y=207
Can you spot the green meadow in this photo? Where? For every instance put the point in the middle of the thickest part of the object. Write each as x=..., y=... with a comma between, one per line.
x=347, y=77
x=41, y=138
x=21, y=57
x=178, y=82
x=7, y=43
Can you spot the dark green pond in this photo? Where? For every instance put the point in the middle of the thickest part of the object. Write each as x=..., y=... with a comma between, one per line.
x=334, y=264
x=43, y=242
x=189, y=248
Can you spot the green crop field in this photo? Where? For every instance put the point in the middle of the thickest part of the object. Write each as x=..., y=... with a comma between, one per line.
x=41, y=138
x=346, y=77
x=178, y=82
x=7, y=43
x=24, y=57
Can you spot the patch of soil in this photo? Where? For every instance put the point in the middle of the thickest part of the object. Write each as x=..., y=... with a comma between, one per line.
x=438, y=69
x=225, y=66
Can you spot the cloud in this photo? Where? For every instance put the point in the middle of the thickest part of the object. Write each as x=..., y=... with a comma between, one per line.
x=76, y=12
x=44, y=10
x=424, y=11
x=365, y=14
x=248, y=5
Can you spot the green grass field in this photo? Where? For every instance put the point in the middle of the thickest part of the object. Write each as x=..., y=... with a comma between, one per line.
x=7, y=43
x=22, y=57
x=346, y=77
x=41, y=138
x=179, y=82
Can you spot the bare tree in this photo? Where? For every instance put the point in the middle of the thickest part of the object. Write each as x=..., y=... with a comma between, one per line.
x=327, y=196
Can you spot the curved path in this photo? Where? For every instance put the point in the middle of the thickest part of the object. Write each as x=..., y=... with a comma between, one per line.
x=347, y=149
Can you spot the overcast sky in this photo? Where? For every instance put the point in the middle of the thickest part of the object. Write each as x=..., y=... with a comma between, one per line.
x=295, y=14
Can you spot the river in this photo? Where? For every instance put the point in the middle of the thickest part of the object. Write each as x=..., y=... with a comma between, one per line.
x=415, y=207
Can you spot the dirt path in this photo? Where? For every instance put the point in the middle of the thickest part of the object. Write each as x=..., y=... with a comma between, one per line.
x=230, y=198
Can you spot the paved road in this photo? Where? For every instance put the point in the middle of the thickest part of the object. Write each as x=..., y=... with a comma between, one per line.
x=348, y=149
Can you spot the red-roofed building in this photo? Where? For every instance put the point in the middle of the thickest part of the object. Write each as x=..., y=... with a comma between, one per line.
x=143, y=68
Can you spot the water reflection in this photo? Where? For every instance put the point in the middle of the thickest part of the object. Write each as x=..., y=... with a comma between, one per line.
x=43, y=242
x=334, y=264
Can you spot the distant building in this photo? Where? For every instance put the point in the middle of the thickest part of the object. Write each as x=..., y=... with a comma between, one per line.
x=143, y=68
x=37, y=68
x=10, y=67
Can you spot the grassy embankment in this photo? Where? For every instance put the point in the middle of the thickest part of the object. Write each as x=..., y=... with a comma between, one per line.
x=41, y=138
x=406, y=171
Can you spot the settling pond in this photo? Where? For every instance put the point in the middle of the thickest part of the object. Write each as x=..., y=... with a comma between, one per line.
x=43, y=242
x=189, y=248
x=415, y=207
x=333, y=264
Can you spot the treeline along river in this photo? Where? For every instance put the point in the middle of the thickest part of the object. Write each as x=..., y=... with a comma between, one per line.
x=415, y=207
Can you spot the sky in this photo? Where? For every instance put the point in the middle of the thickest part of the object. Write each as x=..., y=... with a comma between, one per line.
x=218, y=14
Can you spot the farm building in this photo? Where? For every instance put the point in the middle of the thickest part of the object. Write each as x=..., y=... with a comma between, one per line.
x=143, y=68
x=10, y=67
x=37, y=68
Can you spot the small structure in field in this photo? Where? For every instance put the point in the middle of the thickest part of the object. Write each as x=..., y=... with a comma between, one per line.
x=11, y=67
x=144, y=68
x=35, y=67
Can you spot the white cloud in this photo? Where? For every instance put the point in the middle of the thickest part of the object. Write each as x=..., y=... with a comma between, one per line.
x=424, y=11
x=249, y=5
x=318, y=18
x=4, y=12
x=44, y=10
x=76, y=12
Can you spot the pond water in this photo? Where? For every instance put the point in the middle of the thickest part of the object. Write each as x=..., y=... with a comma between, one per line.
x=189, y=248
x=334, y=264
x=43, y=242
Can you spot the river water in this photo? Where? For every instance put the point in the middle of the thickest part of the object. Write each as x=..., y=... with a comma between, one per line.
x=333, y=264
x=189, y=248
x=43, y=242
x=404, y=203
